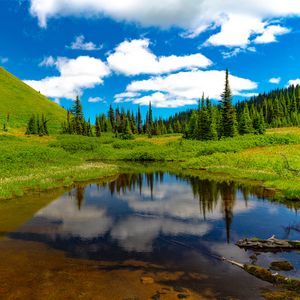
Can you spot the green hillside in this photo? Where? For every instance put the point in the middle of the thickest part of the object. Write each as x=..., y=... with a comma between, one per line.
x=21, y=101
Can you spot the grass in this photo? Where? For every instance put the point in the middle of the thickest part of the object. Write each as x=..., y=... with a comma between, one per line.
x=46, y=162
x=28, y=163
x=21, y=101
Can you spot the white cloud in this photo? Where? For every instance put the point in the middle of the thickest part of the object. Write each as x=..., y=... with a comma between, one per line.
x=236, y=30
x=96, y=100
x=164, y=100
x=270, y=33
x=185, y=88
x=234, y=52
x=80, y=44
x=134, y=57
x=238, y=20
x=275, y=80
x=48, y=61
x=75, y=75
x=3, y=60
x=294, y=82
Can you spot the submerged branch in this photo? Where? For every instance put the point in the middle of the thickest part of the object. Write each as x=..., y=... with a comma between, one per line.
x=266, y=275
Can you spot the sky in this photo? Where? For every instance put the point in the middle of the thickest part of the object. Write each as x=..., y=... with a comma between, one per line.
x=130, y=52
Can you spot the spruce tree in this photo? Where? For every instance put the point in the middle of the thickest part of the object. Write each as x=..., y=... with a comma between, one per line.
x=245, y=123
x=229, y=122
x=98, y=127
x=127, y=133
x=78, y=121
x=31, y=126
x=111, y=116
x=139, y=121
x=44, y=126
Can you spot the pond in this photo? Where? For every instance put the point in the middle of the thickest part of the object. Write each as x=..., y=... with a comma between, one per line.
x=139, y=227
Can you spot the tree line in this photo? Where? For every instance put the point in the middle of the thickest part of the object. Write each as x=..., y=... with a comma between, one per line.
x=277, y=108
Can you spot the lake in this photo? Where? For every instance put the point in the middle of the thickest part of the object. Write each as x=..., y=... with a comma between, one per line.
x=106, y=240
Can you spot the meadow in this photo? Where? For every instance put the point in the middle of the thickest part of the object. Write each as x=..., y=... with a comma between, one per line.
x=39, y=163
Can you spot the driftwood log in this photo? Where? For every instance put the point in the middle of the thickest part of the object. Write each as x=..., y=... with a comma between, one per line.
x=271, y=244
x=266, y=275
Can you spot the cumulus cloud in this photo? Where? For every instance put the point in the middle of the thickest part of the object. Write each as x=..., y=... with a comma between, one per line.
x=185, y=88
x=236, y=22
x=80, y=44
x=134, y=58
x=75, y=75
x=236, y=30
x=275, y=80
x=294, y=82
x=270, y=33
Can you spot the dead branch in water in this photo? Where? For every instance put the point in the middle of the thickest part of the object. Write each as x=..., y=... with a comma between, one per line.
x=271, y=244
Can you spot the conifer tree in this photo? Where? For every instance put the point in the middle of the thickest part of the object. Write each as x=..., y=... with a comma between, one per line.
x=127, y=133
x=139, y=121
x=31, y=126
x=111, y=116
x=150, y=121
x=44, y=126
x=98, y=127
x=79, y=123
x=245, y=123
x=229, y=122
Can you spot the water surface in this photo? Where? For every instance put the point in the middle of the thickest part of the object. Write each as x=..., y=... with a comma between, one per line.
x=179, y=223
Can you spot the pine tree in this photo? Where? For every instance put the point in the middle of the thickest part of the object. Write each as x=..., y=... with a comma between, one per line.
x=78, y=121
x=31, y=126
x=150, y=121
x=89, y=131
x=192, y=129
x=204, y=122
x=139, y=121
x=245, y=123
x=127, y=133
x=44, y=126
x=111, y=117
x=213, y=132
x=98, y=127
x=229, y=122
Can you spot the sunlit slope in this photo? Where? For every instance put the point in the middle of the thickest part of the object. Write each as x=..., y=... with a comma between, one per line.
x=21, y=101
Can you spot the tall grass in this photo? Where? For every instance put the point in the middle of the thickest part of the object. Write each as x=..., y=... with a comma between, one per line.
x=29, y=162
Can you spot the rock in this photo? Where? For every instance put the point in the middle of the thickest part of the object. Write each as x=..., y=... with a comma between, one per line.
x=281, y=265
x=147, y=280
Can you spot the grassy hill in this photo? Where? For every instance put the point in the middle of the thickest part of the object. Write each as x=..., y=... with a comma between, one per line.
x=21, y=101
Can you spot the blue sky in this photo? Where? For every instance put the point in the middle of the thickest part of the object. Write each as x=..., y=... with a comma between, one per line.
x=131, y=52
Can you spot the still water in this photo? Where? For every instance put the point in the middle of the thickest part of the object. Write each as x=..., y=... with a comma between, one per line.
x=179, y=223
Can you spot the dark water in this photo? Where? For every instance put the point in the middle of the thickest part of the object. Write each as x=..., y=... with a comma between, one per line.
x=180, y=223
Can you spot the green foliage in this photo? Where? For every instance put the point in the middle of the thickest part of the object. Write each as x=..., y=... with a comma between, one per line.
x=278, y=108
x=37, y=126
x=245, y=123
x=75, y=123
x=29, y=161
